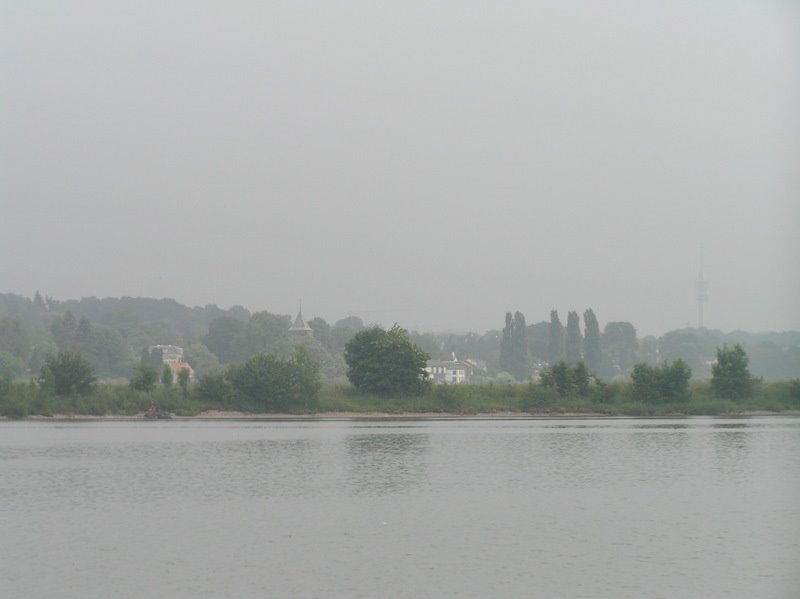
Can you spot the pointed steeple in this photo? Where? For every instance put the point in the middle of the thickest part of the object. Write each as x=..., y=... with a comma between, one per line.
x=300, y=327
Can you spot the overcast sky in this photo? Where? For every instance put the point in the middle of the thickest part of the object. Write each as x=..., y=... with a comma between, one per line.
x=431, y=163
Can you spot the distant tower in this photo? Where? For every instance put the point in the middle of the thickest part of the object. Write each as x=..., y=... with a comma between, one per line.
x=300, y=328
x=701, y=289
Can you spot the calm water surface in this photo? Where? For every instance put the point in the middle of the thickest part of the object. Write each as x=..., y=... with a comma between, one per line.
x=696, y=507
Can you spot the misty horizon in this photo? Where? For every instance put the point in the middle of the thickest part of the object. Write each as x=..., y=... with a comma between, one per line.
x=368, y=320
x=434, y=166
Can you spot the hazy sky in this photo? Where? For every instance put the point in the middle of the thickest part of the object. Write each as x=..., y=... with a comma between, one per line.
x=431, y=163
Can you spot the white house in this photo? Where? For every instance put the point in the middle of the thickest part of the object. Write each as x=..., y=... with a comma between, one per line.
x=452, y=372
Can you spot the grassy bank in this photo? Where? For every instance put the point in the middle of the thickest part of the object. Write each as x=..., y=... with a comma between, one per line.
x=24, y=399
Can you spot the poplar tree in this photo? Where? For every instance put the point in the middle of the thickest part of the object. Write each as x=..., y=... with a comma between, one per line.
x=592, y=355
x=574, y=340
x=555, y=350
x=514, y=354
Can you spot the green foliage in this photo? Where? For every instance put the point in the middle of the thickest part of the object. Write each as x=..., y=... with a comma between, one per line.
x=514, y=353
x=11, y=404
x=183, y=380
x=201, y=359
x=591, y=344
x=385, y=362
x=265, y=382
x=216, y=389
x=665, y=383
x=12, y=365
x=573, y=341
x=14, y=338
x=555, y=348
x=620, y=346
x=566, y=379
x=730, y=376
x=539, y=398
x=67, y=373
x=144, y=377
x=166, y=376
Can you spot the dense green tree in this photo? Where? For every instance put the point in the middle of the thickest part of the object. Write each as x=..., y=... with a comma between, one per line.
x=14, y=339
x=620, y=345
x=166, y=376
x=224, y=339
x=344, y=330
x=555, y=346
x=112, y=356
x=730, y=375
x=67, y=373
x=385, y=362
x=561, y=378
x=592, y=354
x=566, y=379
x=580, y=378
x=266, y=332
x=12, y=365
x=215, y=388
x=38, y=302
x=269, y=382
x=201, y=359
x=64, y=329
x=322, y=332
x=144, y=377
x=183, y=380
x=665, y=383
x=695, y=347
x=40, y=351
x=573, y=343
x=84, y=339
x=538, y=340
x=514, y=353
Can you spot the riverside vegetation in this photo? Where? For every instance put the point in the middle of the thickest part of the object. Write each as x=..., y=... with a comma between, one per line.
x=387, y=376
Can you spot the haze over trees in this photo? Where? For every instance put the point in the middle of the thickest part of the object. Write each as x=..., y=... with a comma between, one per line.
x=731, y=377
x=514, y=352
x=573, y=344
x=592, y=354
x=555, y=352
x=67, y=373
x=110, y=334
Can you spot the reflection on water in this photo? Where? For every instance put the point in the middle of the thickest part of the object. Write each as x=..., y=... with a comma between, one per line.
x=462, y=508
x=382, y=463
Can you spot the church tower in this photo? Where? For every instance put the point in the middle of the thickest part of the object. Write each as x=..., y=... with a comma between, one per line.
x=300, y=328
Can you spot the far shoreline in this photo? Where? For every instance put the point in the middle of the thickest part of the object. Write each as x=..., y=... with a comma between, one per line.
x=222, y=416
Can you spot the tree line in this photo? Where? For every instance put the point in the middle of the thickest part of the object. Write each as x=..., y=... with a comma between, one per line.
x=110, y=333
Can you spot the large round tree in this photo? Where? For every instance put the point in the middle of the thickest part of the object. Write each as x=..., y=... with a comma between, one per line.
x=385, y=362
x=730, y=376
x=67, y=373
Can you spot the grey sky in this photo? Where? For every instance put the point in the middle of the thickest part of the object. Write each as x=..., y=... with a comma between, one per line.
x=434, y=164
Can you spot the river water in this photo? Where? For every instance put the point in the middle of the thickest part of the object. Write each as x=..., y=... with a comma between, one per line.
x=697, y=507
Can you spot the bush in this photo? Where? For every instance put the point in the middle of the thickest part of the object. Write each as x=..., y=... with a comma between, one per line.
x=539, y=398
x=666, y=383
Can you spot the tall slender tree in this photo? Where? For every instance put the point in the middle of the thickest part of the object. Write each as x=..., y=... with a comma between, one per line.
x=555, y=349
x=514, y=354
x=507, y=345
x=574, y=341
x=592, y=354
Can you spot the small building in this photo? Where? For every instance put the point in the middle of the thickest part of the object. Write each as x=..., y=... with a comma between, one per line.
x=168, y=353
x=451, y=372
